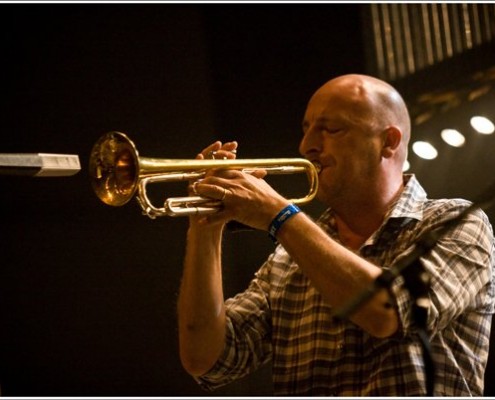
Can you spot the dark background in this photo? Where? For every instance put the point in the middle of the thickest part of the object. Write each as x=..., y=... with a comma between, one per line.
x=88, y=292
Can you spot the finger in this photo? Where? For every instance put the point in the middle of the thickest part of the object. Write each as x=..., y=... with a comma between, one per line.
x=211, y=191
x=192, y=188
x=223, y=174
x=205, y=153
x=258, y=173
x=227, y=151
x=230, y=146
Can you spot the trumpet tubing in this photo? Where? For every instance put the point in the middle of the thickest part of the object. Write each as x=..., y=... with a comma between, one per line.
x=117, y=174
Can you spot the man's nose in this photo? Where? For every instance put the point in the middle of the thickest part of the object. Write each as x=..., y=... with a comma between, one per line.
x=310, y=143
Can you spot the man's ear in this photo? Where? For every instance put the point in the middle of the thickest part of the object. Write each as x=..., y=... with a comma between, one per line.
x=392, y=140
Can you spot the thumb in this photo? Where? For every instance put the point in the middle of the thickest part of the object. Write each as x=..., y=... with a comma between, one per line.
x=259, y=173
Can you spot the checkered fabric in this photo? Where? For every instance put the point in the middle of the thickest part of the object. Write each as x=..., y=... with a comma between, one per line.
x=282, y=318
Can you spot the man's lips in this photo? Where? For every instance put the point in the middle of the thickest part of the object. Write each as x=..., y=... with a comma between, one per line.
x=317, y=165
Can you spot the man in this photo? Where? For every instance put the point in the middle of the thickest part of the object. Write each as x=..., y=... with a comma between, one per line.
x=357, y=128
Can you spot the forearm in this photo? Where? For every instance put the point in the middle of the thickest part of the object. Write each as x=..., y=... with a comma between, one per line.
x=337, y=273
x=201, y=303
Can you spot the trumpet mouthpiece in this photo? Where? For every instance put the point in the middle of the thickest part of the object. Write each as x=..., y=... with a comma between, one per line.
x=317, y=165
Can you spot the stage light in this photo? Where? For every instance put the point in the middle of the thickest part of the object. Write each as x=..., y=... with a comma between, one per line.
x=406, y=166
x=453, y=137
x=482, y=125
x=425, y=150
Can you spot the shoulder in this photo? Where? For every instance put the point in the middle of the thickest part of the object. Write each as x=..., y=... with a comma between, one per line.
x=467, y=223
x=444, y=209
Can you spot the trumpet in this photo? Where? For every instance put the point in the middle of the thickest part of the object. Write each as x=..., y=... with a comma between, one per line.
x=117, y=174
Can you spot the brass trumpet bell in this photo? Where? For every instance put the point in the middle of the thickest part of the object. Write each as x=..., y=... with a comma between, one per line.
x=118, y=173
x=113, y=167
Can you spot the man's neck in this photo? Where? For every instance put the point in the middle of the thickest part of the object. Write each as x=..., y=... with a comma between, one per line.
x=353, y=232
x=357, y=221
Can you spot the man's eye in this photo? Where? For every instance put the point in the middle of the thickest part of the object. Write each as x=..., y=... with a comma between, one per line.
x=332, y=131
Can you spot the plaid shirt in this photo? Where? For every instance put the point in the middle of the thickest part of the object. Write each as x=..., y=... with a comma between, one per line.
x=282, y=318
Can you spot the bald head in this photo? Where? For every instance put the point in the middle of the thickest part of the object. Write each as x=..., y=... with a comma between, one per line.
x=372, y=101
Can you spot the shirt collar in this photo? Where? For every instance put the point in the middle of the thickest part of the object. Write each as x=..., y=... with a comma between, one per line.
x=410, y=203
x=408, y=206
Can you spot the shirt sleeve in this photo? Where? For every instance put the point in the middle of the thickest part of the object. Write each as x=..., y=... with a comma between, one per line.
x=460, y=267
x=248, y=334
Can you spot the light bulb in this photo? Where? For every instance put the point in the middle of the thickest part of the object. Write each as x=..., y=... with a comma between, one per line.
x=425, y=150
x=453, y=137
x=483, y=125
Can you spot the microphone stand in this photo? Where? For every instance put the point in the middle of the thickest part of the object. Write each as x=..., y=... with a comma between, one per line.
x=417, y=281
